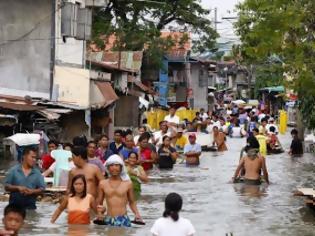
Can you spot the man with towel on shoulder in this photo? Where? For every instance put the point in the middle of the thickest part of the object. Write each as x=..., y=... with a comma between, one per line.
x=118, y=192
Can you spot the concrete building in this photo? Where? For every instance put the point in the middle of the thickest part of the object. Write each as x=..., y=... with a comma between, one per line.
x=183, y=81
x=199, y=85
x=236, y=78
x=43, y=58
x=125, y=68
x=26, y=57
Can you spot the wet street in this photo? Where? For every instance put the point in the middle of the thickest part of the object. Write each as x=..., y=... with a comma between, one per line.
x=214, y=205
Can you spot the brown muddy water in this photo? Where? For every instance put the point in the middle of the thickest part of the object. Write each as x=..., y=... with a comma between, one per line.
x=214, y=206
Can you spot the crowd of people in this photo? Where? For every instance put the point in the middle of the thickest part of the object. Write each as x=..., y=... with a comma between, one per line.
x=106, y=176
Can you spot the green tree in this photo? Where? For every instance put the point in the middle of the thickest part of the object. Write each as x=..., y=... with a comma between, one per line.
x=285, y=28
x=137, y=24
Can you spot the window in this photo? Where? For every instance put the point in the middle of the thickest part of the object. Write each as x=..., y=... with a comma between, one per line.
x=69, y=14
x=76, y=22
x=84, y=24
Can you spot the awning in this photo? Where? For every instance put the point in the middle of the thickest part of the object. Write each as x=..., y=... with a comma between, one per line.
x=111, y=67
x=102, y=94
x=139, y=84
x=19, y=107
x=52, y=113
x=18, y=103
x=62, y=105
x=277, y=89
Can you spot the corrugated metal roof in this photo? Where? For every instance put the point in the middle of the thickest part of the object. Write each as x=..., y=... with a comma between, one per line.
x=108, y=92
x=18, y=103
x=19, y=107
x=61, y=104
x=130, y=61
x=111, y=67
x=143, y=87
x=52, y=113
x=102, y=94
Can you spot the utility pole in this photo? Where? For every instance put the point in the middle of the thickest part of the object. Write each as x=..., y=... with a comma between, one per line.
x=215, y=18
x=250, y=77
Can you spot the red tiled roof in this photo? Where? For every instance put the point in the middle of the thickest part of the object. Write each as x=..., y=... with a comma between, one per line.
x=177, y=37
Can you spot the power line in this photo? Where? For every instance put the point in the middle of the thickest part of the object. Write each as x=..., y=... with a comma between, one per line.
x=32, y=29
x=32, y=39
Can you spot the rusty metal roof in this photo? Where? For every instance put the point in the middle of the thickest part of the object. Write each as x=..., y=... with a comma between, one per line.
x=143, y=87
x=19, y=107
x=130, y=61
x=18, y=103
x=111, y=67
x=102, y=94
x=108, y=92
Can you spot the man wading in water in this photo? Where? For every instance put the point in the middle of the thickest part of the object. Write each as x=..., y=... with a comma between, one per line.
x=118, y=192
x=192, y=151
x=91, y=172
x=252, y=163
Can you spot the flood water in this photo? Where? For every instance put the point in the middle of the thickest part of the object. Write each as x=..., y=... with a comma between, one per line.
x=214, y=206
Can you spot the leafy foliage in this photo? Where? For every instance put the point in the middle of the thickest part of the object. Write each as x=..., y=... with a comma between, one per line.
x=136, y=186
x=268, y=75
x=285, y=28
x=137, y=24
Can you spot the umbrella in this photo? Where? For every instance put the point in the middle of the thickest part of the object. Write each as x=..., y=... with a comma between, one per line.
x=25, y=139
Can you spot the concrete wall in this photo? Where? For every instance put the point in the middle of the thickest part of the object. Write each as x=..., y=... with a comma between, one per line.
x=71, y=51
x=25, y=62
x=200, y=93
x=72, y=86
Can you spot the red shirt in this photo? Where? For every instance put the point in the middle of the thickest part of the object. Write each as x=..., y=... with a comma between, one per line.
x=273, y=139
x=47, y=161
x=146, y=155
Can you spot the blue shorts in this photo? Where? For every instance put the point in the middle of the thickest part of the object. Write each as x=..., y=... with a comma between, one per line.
x=119, y=221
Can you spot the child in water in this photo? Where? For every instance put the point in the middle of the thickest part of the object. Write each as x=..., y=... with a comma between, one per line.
x=13, y=220
x=78, y=203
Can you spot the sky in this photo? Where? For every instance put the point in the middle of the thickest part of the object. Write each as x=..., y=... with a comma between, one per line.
x=225, y=9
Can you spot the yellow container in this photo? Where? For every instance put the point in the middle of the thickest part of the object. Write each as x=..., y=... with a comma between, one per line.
x=156, y=116
x=283, y=122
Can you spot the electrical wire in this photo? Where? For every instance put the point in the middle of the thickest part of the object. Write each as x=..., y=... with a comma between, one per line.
x=21, y=38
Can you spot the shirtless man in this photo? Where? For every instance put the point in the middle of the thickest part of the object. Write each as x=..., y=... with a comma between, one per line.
x=219, y=139
x=253, y=163
x=118, y=192
x=91, y=172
